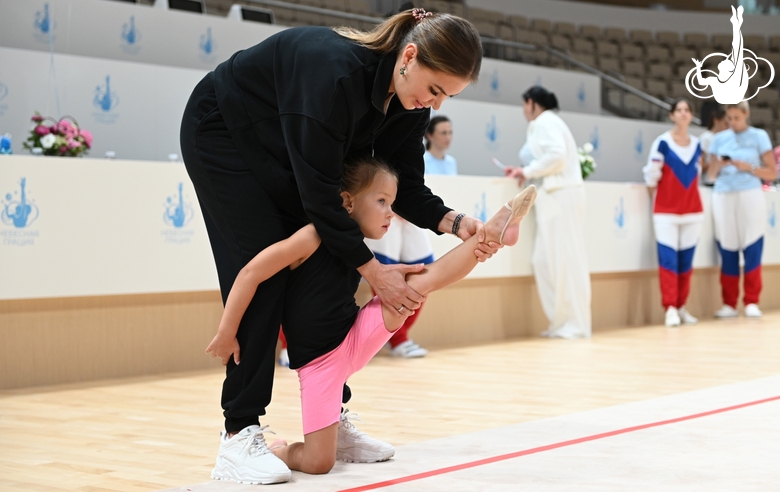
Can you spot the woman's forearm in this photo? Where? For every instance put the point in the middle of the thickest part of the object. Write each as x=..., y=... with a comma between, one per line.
x=446, y=223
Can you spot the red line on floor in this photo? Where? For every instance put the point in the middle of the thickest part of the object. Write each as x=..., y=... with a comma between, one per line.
x=540, y=449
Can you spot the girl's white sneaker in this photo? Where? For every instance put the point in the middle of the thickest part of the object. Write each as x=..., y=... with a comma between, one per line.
x=752, y=311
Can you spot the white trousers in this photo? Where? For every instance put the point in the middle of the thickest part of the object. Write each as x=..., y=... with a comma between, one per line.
x=560, y=262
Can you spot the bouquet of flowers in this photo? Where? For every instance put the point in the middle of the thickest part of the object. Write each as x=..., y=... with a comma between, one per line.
x=62, y=138
x=587, y=162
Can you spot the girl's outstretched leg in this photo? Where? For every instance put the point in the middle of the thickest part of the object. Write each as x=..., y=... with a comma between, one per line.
x=457, y=263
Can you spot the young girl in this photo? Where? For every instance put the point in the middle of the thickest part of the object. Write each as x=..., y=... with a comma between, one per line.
x=369, y=190
x=672, y=173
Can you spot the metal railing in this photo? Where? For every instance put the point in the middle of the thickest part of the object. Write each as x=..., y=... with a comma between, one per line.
x=655, y=109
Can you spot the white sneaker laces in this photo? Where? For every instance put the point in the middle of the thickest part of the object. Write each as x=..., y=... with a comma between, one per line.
x=255, y=443
x=346, y=418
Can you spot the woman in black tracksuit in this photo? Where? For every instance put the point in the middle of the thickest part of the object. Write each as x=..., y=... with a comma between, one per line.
x=264, y=137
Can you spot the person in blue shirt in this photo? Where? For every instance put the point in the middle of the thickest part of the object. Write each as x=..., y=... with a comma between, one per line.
x=438, y=138
x=740, y=158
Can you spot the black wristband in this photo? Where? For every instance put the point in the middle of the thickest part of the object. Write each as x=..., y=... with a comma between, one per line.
x=456, y=224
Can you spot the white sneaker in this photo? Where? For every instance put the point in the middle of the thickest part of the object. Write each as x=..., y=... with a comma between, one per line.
x=687, y=317
x=672, y=316
x=752, y=311
x=356, y=447
x=245, y=458
x=726, y=312
x=284, y=358
x=408, y=350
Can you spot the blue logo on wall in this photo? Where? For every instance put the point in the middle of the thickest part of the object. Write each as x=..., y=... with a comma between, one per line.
x=581, y=94
x=494, y=84
x=18, y=210
x=594, y=140
x=130, y=37
x=105, y=100
x=619, y=219
x=3, y=93
x=772, y=220
x=177, y=215
x=177, y=212
x=492, y=134
x=480, y=209
x=43, y=25
x=639, y=145
x=207, y=47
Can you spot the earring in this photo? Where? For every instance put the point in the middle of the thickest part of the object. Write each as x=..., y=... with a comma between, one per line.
x=403, y=70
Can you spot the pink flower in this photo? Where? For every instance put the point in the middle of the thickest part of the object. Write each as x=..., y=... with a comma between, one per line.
x=63, y=149
x=42, y=130
x=37, y=118
x=67, y=129
x=87, y=138
x=72, y=144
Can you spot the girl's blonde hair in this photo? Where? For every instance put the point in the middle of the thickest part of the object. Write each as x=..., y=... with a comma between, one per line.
x=445, y=43
x=360, y=174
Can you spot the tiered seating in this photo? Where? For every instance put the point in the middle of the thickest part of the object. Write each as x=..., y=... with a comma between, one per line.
x=655, y=63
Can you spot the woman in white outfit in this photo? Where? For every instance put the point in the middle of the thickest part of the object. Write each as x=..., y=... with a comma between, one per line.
x=549, y=160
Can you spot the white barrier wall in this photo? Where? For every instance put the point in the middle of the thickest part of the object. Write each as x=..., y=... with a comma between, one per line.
x=135, y=109
x=87, y=227
x=138, y=33
x=132, y=109
x=120, y=31
x=504, y=82
x=484, y=130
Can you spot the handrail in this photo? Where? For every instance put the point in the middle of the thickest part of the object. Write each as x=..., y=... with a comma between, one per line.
x=510, y=44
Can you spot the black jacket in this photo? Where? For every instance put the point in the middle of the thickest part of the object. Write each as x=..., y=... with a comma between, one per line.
x=305, y=100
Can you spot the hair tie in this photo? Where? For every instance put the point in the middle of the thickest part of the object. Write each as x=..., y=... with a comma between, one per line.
x=420, y=14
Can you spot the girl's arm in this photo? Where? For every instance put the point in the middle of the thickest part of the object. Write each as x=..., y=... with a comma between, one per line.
x=289, y=252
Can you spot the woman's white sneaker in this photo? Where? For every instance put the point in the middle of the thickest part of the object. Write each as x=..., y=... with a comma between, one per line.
x=752, y=311
x=245, y=458
x=687, y=317
x=726, y=312
x=672, y=317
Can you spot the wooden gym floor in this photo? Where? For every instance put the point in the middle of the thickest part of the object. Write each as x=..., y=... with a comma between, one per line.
x=162, y=432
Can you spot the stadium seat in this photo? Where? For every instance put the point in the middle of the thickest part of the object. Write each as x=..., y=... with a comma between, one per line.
x=565, y=29
x=615, y=34
x=696, y=40
x=606, y=49
x=668, y=38
x=630, y=51
x=657, y=53
x=590, y=32
x=642, y=37
x=542, y=25
x=634, y=67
